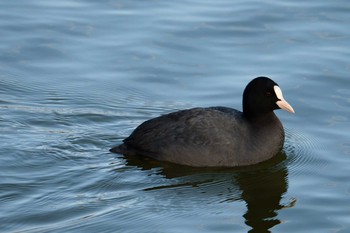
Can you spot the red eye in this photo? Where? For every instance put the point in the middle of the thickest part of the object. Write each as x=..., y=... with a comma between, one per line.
x=268, y=93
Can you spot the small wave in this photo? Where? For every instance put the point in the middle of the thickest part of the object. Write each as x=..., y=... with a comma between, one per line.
x=301, y=151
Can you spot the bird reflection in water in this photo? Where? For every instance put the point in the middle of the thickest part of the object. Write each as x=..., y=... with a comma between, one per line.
x=261, y=186
x=262, y=191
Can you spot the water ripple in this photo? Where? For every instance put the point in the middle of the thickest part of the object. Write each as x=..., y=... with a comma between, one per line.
x=302, y=152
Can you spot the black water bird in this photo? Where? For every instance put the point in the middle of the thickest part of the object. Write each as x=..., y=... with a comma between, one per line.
x=215, y=136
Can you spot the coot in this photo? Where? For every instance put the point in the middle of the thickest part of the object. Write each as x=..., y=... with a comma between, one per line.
x=215, y=136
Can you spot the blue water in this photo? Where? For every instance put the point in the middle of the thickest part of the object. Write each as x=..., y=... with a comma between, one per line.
x=76, y=77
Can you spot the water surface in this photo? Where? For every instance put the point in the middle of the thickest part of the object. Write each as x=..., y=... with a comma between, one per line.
x=77, y=77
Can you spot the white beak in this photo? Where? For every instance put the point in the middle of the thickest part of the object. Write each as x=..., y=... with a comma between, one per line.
x=282, y=103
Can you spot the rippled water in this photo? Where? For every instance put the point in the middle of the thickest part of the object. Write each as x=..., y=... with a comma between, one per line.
x=76, y=77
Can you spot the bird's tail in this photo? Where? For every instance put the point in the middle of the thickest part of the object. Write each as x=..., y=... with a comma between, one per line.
x=121, y=149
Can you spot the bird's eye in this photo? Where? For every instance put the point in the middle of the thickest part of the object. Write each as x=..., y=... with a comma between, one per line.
x=268, y=93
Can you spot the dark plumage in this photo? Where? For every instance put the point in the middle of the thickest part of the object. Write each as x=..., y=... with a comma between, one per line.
x=215, y=136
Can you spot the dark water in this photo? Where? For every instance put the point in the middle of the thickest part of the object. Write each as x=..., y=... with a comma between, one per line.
x=76, y=77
